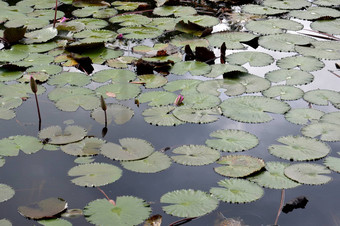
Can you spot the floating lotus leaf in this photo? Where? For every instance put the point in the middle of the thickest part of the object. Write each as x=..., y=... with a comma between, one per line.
x=91, y=23
x=63, y=92
x=19, y=90
x=201, y=101
x=46, y=208
x=191, y=115
x=97, y=12
x=11, y=146
x=48, y=69
x=177, y=11
x=6, y=192
x=87, y=147
x=120, y=62
x=326, y=131
x=237, y=191
x=232, y=140
x=140, y=32
x=166, y=23
x=128, y=210
x=35, y=59
x=154, y=163
x=115, y=75
x=284, y=92
x=187, y=86
x=129, y=149
x=9, y=75
x=6, y=114
x=130, y=20
x=255, y=59
x=71, y=78
x=38, y=76
x=290, y=77
x=72, y=26
x=304, y=63
x=152, y=81
x=188, y=203
x=252, y=109
x=16, y=53
x=42, y=35
x=88, y=36
x=261, y=10
x=122, y=91
x=195, y=68
x=326, y=2
x=10, y=102
x=45, y=13
x=232, y=40
x=85, y=3
x=55, y=135
x=229, y=87
x=150, y=51
x=31, y=23
x=322, y=97
x=95, y=174
x=192, y=41
x=253, y=83
x=299, y=148
x=221, y=69
x=332, y=163
x=161, y=116
x=314, y=13
x=83, y=160
x=120, y=114
x=302, y=116
x=5, y=222
x=283, y=42
x=72, y=103
x=273, y=26
x=127, y=6
x=306, y=173
x=157, y=98
x=41, y=47
x=332, y=117
x=55, y=222
x=327, y=26
x=286, y=4
x=238, y=165
x=201, y=20
x=195, y=155
x=48, y=4
x=274, y=177
x=328, y=50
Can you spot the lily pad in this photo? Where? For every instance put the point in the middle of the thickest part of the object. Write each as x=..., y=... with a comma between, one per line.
x=84, y=160
x=42, y=35
x=328, y=50
x=92, y=23
x=322, y=97
x=122, y=91
x=299, y=148
x=129, y=149
x=327, y=26
x=273, y=26
x=6, y=114
x=237, y=191
x=87, y=147
x=157, y=98
x=191, y=115
x=326, y=2
x=283, y=42
x=55, y=135
x=16, y=53
x=95, y=174
x=192, y=41
x=332, y=163
x=115, y=75
x=188, y=203
x=5, y=222
x=230, y=87
x=195, y=68
x=273, y=177
x=306, y=173
x=128, y=210
x=55, y=222
x=72, y=103
x=314, y=13
x=262, y=10
x=302, y=116
x=127, y=6
x=187, y=86
x=232, y=140
x=304, y=63
x=120, y=114
x=161, y=116
x=9, y=75
x=201, y=101
x=232, y=40
x=152, y=81
x=102, y=35
x=252, y=83
x=141, y=32
x=6, y=192
x=255, y=59
x=71, y=78
x=331, y=117
x=11, y=146
x=2, y=161
x=290, y=77
x=286, y=4
x=238, y=165
x=195, y=155
x=10, y=102
x=130, y=20
x=284, y=92
x=221, y=69
x=252, y=109
x=177, y=11
x=326, y=131
x=154, y=163
x=63, y=92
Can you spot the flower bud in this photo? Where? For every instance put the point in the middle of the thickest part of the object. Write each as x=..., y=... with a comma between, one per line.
x=33, y=84
x=179, y=100
x=102, y=103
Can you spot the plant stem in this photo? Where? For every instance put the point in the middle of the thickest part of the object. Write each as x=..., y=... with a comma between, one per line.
x=182, y=221
x=55, y=13
x=36, y=101
x=281, y=205
x=105, y=118
x=107, y=197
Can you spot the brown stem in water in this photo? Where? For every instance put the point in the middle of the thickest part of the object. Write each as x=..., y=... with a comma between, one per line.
x=281, y=205
x=107, y=197
x=55, y=13
x=36, y=101
x=182, y=221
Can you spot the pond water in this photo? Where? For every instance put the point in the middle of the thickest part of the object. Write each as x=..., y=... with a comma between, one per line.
x=45, y=174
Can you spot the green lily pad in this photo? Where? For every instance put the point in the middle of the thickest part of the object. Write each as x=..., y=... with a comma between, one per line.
x=238, y=165
x=31, y=23
x=96, y=12
x=195, y=155
x=42, y=35
x=255, y=59
x=154, y=163
x=331, y=117
x=327, y=26
x=19, y=90
x=71, y=78
x=84, y=160
x=122, y=91
x=72, y=26
x=299, y=148
x=252, y=83
x=127, y=6
x=120, y=114
x=286, y=4
x=141, y=32
x=16, y=53
x=201, y=101
x=252, y=109
x=72, y=103
x=221, y=69
x=273, y=177
x=152, y=81
x=302, y=116
x=284, y=92
x=6, y=192
x=5, y=222
x=6, y=114
x=91, y=23
x=187, y=86
x=332, y=163
x=128, y=210
x=10, y=102
x=115, y=75
x=232, y=40
x=191, y=40
x=9, y=75
x=95, y=174
x=237, y=191
x=322, y=97
x=129, y=149
x=55, y=135
x=55, y=222
x=35, y=59
x=326, y=131
x=273, y=26
x=306, y=173
x=290, y=77
x=157, y=98
x=164, y=23
x=304, y=63
x=215, y=87
x=195, y=68
x=232, y=140
x=88, y=36
x=328, y=50
x=63, y=92
x=283, y=42
x=46, y=208
x=161, y=116
x=314, y=13
x=191, y=115
x=326, y=2
x=177, y=11
x=48, y=69
x=188, y=203
x=11, y=146
x=130, y=20
x=87, y=147
x=121, y=62
x=2, y=161
x=261, y=10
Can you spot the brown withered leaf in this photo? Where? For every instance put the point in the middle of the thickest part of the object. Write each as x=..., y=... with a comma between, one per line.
x=192, y=28
x=223, y=49
x=155, y=220
x=189, y=54
x=146, y=67
x=204, y=54
x=84, y=63
x=14, y=34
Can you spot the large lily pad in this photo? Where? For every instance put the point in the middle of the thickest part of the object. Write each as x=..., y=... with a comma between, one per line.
x=302, y=116
x=306, y=173
x=118, y=113
x=12, y=145
x=94, y=174
x=273, y=26
x=6, y=192
x=195, y=155
x=284, y=42
x=141, y=32
x=161, y=116
x=115, y=75
x=327, y=26
x=230, y=87
x=299, y=148
x=328, y=50
x=201, y=101
x=71, y=78
x=177, y=11
x=286, y=4
x=55, y=135
x=72, y=103
x=87, y=147
x=188, y=203
x=262, y=10
x=252, y=108
x=157, y=98
x=232, y=40
x=42, y=35
x=221, y=69
x=237, y=191
x=326, y=131
x=152, y=81
x=314, y=13
x=187, y=86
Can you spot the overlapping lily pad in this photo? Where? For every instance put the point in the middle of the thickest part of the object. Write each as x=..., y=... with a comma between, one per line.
x=232, y=40
x=307, y=173
x=290, y=77
x=322, y=97
x=304, y=63
x=11, y=146
x=303, y=116
x=193, y=67
x=87, y=147
x=255, y=59
x=221, y=69
x=161, y=116
x=326, y=131
x=195, y=155
x=284, y=92
x=56, y=135
x=120, y=114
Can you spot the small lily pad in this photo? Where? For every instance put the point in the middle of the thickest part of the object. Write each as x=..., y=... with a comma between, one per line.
x=161, y=116
x=95, y=174
x=6, y=114
x=195, y=155
x=306, y=173
x=120, y=114
x=55, y=135
x=6, y=192
x=284, y=92
x=332, y=163
x=141, y=32
x=87, y=147
x=326, y=131
x=302, y=116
